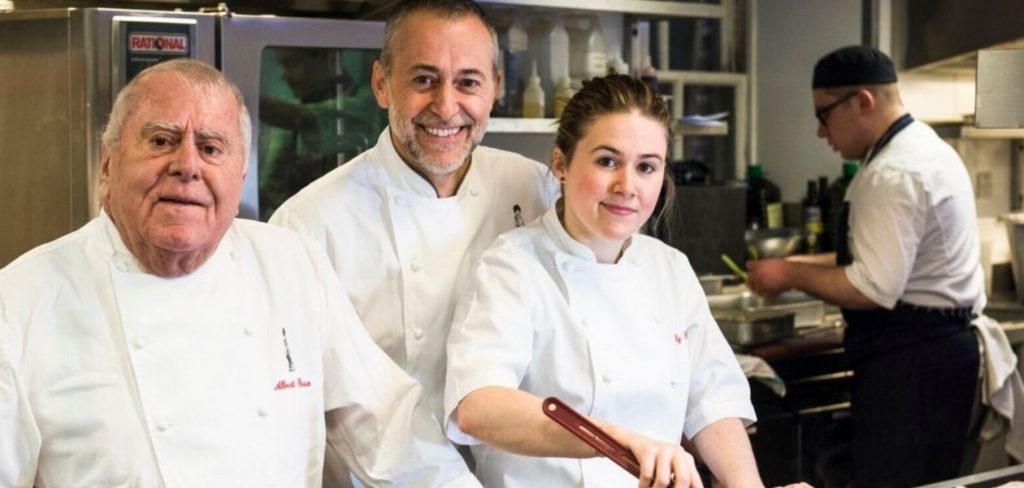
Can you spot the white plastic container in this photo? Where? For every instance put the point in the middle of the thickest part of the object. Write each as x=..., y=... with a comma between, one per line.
x=549, y=47
x=533, y=97
x=618, y=65
x=587, y=52
x=563, y=92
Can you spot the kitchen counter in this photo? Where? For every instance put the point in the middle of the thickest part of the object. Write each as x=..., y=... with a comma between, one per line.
x=804, y=434
x=799, y=436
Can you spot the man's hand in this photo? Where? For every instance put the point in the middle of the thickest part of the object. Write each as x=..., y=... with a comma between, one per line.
x=769, y=277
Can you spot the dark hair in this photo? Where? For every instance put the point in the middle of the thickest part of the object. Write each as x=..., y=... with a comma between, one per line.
x=614, y=94
x=448, y=9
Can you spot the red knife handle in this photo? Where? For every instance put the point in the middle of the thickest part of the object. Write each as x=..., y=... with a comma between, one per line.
x=590, y=433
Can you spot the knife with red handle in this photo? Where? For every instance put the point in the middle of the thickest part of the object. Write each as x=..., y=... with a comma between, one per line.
x=590, y=433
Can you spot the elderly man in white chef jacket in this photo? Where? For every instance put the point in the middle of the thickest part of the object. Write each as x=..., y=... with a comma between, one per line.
x=404, y=222
x=167, y=344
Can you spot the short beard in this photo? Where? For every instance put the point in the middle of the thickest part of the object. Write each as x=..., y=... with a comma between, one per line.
x=437, y=168
x=425, y=165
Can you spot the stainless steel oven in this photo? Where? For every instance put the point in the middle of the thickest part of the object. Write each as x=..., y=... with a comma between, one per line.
x=306, y=83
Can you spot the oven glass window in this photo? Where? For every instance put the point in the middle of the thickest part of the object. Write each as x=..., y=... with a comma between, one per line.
x=316, y=111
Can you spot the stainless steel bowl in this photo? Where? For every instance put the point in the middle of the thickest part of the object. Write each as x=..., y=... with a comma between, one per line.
x=775, y=243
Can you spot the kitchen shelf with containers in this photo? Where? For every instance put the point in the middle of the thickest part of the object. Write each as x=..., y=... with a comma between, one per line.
x=684, y=126
x=560, y=43
x=548, y=47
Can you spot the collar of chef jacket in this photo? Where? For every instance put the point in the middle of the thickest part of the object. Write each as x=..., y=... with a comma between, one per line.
x=574, y=248
x=109, y=241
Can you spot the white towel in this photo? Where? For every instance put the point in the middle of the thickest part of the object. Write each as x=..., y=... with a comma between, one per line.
x=1003, y=389
x=759, y=369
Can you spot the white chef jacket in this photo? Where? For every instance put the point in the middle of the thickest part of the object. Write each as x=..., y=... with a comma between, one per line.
x=111, y=376
x=401, y=251
x=631, y=343
x=913, y=225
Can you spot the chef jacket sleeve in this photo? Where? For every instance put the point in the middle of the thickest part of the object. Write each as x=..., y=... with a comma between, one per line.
x=718, y=388
x=378, y=427
x=886, y=230
x=20, y=439
x=491, y=340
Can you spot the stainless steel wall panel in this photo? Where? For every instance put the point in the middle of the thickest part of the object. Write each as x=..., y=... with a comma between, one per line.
x=36, y=98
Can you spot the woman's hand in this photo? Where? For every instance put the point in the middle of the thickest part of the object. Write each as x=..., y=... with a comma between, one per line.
x=662, y=464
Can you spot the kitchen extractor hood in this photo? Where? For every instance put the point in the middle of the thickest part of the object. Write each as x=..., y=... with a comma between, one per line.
x=944, y=36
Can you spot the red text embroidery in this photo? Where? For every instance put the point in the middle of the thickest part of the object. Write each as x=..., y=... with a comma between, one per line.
x=296, y=383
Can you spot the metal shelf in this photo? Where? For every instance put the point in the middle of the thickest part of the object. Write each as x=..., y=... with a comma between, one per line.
x=506, y=125
x=635, y=7
x=970, y=132
x=701, y=130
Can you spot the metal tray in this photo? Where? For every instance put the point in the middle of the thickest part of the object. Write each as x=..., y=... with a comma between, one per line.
x=809, y=310
x=743, y=328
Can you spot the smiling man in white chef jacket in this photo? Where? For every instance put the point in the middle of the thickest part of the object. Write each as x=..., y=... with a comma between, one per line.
x=404, y=222
x=167, y=344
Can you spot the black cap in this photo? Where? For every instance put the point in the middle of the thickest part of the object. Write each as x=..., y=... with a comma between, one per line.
x=853, y=65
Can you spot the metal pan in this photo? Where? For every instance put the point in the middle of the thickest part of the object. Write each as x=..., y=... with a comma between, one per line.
x=752, y=328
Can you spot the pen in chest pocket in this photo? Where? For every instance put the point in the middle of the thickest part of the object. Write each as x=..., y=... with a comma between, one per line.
x=517, y=213
x=287, y=350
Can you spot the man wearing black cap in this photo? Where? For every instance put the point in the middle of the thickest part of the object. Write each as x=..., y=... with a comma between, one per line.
x=906, y=275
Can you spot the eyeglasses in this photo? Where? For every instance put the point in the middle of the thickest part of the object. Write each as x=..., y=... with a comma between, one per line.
x=822, y=113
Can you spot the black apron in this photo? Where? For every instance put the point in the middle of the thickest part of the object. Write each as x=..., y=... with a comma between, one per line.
x=915, y=376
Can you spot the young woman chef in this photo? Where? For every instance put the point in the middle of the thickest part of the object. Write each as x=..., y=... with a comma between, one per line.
x=580, y=306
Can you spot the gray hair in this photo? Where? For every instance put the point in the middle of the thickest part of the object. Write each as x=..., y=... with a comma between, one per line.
x=199, y=74
x=447, y=9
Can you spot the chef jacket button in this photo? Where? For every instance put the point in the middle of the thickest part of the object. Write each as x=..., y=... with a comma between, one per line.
x=121, y=261
x=415, y=266
x=247, y=331
x=636, y=262
x=583, y=322
x=417, y=333
x=607, y=378
x=568, y=267
x=161, y=427
x=136, y=344
x=400, y=200
x=673, y=382
x=473, y=191
x=262, y=411
x=657, y=319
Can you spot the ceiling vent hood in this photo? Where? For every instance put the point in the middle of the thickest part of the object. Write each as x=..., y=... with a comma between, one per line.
x=944, y=36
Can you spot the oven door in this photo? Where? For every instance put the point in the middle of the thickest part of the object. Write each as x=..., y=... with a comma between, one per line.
x=306, y=83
